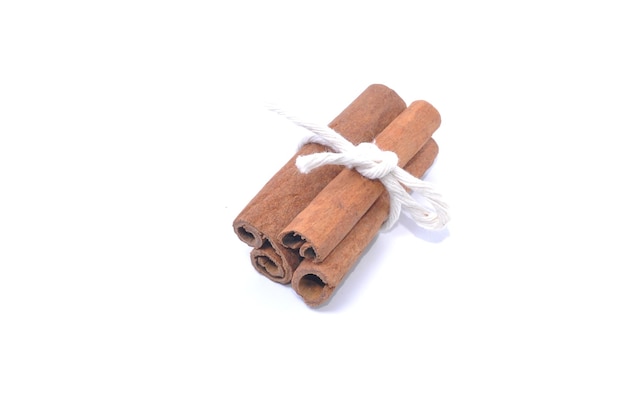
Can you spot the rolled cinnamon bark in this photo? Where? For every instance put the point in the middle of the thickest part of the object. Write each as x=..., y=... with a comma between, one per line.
x=275, y=261
x=288, y=192
x=331, y=215
x=316, y=282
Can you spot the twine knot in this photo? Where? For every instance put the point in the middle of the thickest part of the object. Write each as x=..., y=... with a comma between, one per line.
x=372, y=162
x=366, y=158
x=376, y=164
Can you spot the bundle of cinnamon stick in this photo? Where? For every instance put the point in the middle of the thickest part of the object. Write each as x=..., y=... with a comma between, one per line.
x=310, y=229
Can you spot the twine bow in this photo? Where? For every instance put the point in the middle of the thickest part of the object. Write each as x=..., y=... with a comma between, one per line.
x=376, y=164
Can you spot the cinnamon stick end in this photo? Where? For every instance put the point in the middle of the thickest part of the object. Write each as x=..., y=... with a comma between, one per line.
x=308, y=252
x=269, y=264
x=312, y=288
x=268, y=267
x=295, y=241
x=291, y=239
x=248, y=234
x=274, y=261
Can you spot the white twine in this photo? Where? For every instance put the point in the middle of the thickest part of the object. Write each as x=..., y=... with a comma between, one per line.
x=373, y=163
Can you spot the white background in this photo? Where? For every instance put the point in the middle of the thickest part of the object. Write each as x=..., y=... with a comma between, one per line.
x=133, y=132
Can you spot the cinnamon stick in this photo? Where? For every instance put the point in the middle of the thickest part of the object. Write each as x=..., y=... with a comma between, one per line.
x=275, y=261
x=316, y=282
x=331, y=215
x=288, y=192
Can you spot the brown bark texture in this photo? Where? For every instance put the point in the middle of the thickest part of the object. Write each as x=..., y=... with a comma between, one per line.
x=289, y=192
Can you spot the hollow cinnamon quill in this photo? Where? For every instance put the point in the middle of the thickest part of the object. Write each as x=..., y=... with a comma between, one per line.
x=317, y=229
x=275, y=261
x=316, y=282
x=288, y=192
